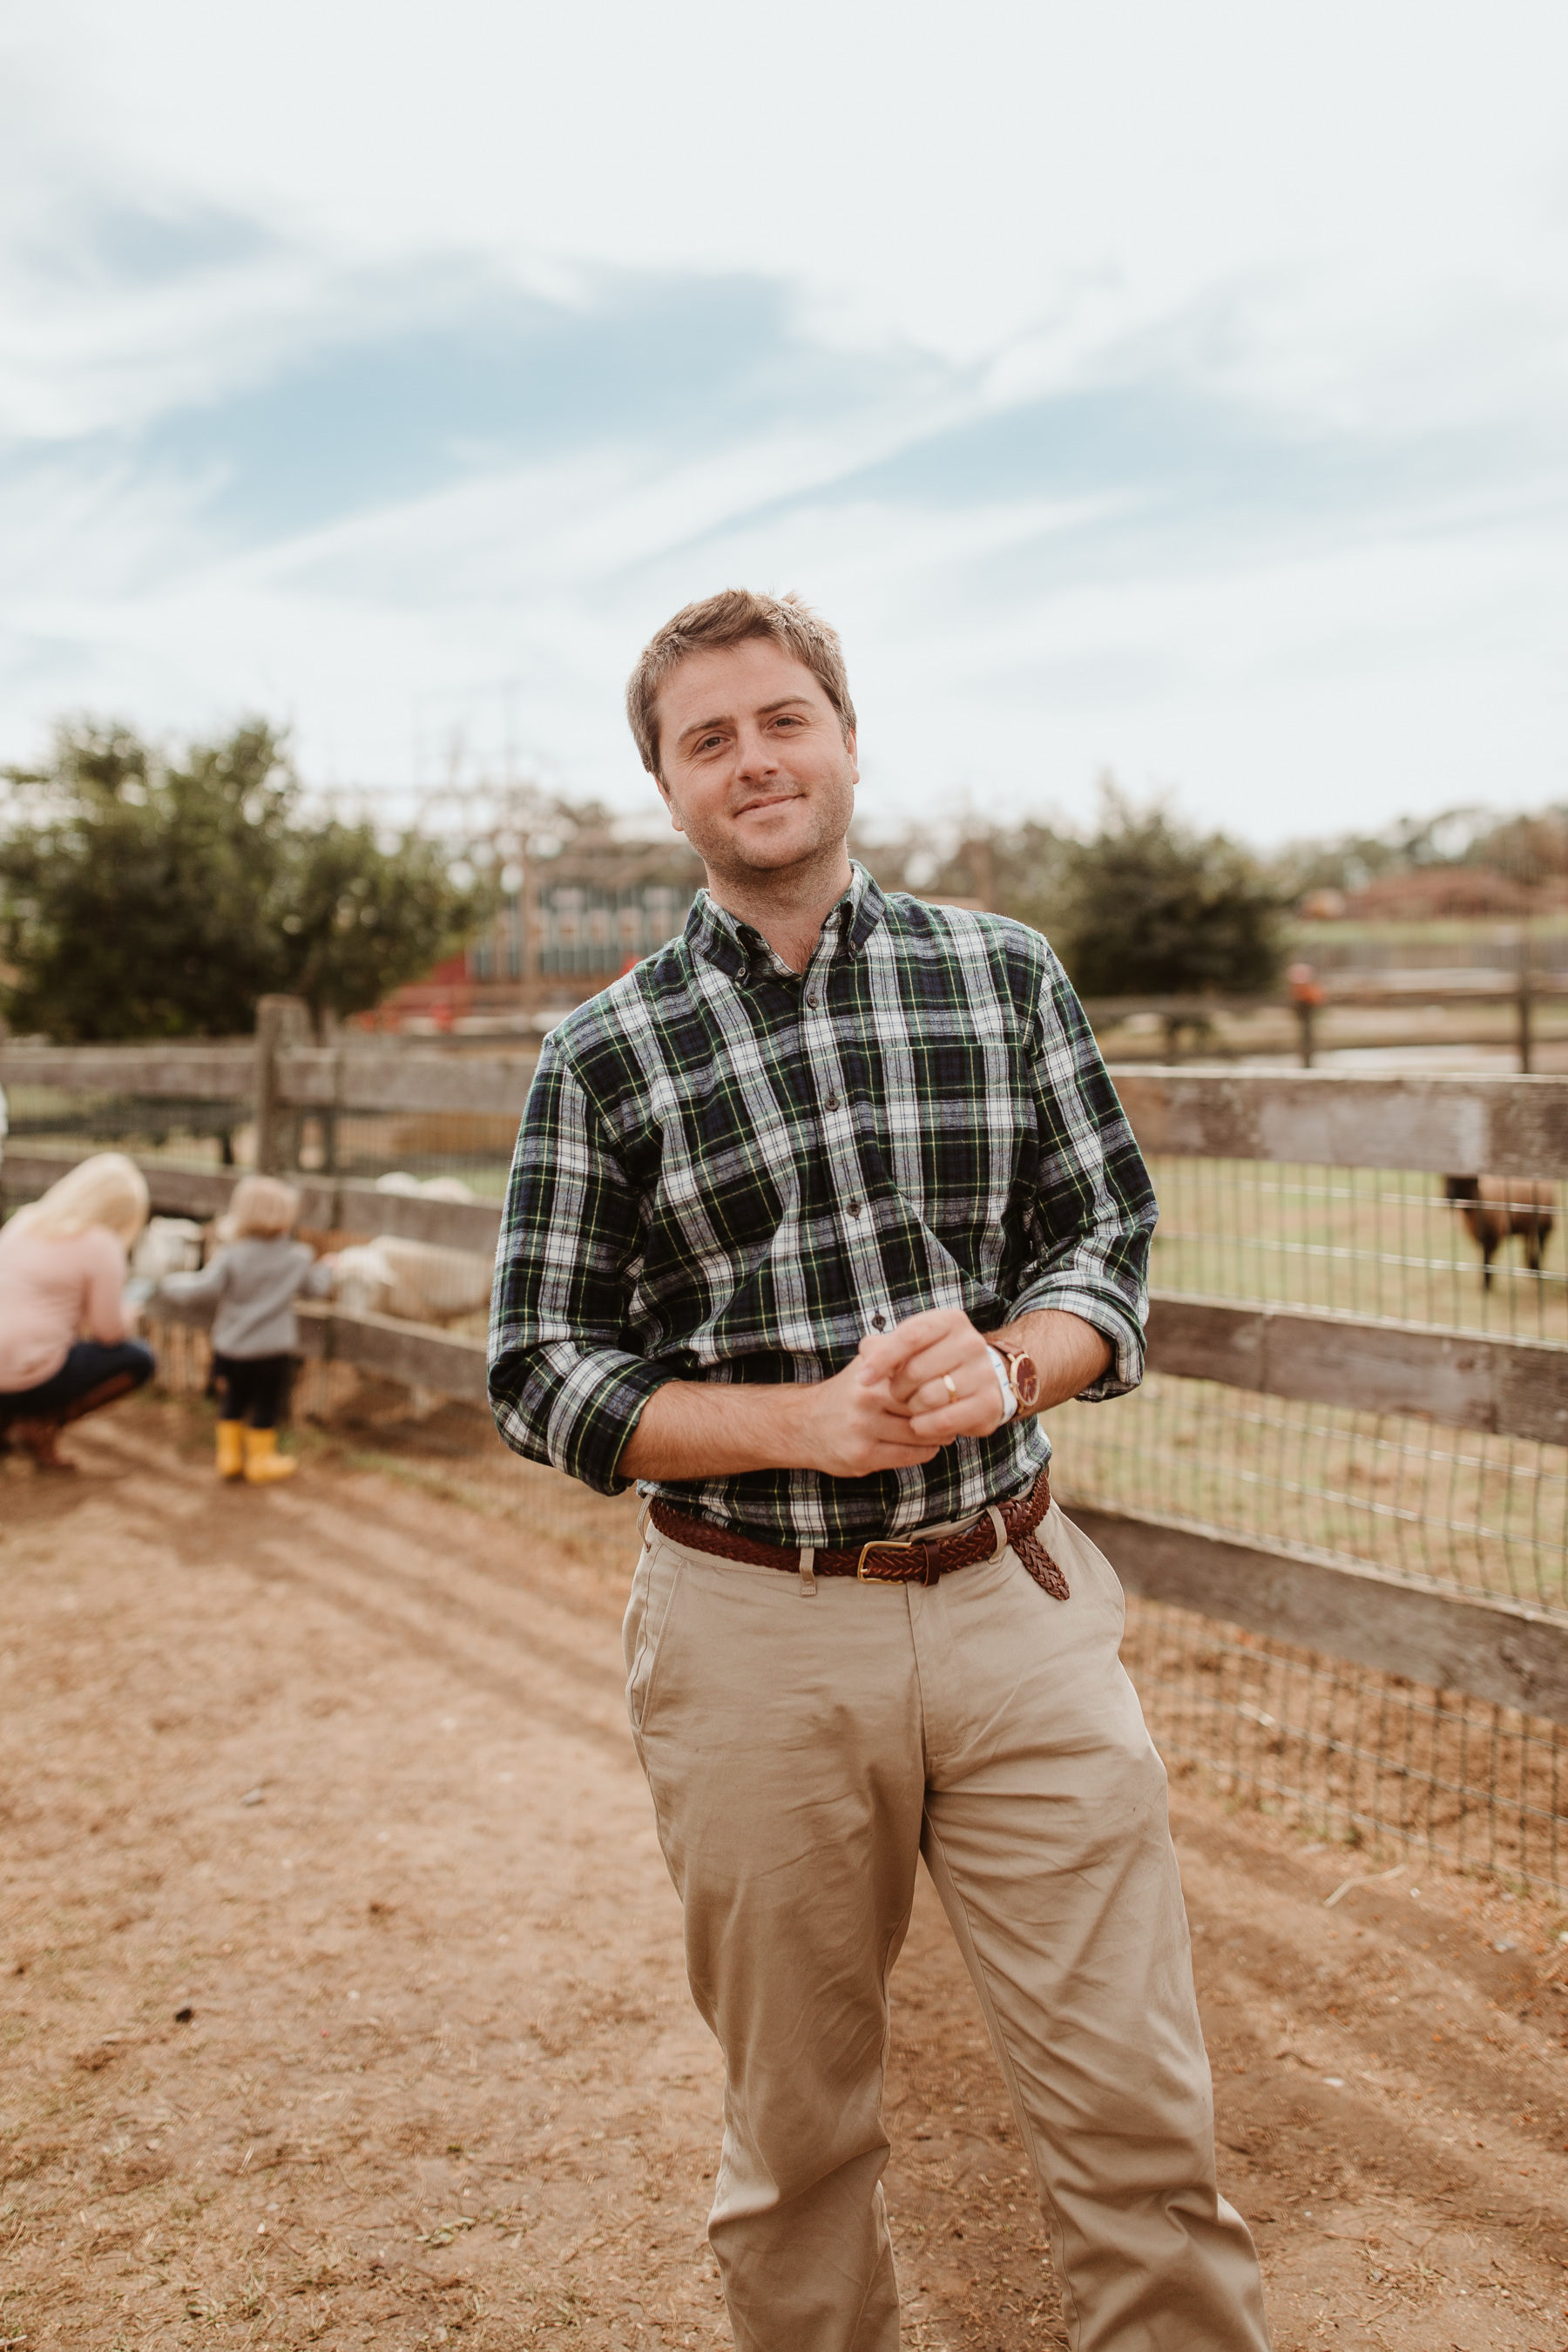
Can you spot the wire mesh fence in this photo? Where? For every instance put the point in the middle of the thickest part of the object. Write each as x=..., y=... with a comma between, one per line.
x=1348, y=1752
x=1450, y=1510
x=1353, y=1754
x=473, y=1145
x=186, y=1133
x=1358, y=1241
x=317, y=1391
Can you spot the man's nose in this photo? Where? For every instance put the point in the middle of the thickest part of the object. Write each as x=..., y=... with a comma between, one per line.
x=755, y=755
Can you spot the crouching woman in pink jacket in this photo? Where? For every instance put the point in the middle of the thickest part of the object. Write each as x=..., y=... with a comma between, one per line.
x=66, y=1347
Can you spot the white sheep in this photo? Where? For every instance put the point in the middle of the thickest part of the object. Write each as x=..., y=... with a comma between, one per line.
x=166, y=1245
x=431, y=1188
x=415, y=1281
x=364, y=1278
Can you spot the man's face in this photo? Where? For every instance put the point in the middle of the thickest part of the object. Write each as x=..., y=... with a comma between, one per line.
x=757, y=770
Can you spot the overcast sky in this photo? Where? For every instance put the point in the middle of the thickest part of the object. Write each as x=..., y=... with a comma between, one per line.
x=1177, y=390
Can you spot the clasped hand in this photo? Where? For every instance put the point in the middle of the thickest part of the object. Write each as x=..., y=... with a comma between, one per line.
x=892, y=1409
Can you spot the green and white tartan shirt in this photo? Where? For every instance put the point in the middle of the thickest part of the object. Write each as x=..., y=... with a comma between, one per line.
x=728, y=1170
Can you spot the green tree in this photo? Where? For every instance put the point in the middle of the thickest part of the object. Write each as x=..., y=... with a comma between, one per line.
x=1151, y=908
x=361, y=918
x=141, y=897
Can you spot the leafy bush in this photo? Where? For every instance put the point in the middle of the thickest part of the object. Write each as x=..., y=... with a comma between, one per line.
x=1146, y=907
x=1151, y=908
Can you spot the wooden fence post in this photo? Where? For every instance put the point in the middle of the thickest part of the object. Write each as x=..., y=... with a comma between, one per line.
x=280, y=1022
x=1306, y=995
x=330, y=1119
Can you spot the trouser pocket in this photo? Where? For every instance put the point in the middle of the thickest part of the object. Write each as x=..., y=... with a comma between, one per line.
x=643, y=1629
x=1084, y=1564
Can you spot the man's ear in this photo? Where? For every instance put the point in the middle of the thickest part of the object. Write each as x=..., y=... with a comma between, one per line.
x=669, y=804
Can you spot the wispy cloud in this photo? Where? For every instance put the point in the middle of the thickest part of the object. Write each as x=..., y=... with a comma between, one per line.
x=1279, y=521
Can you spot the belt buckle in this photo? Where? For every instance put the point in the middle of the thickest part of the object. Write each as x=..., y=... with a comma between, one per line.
x=887, y=1544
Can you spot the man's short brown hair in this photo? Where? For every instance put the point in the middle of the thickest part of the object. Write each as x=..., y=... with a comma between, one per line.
x=729, y=619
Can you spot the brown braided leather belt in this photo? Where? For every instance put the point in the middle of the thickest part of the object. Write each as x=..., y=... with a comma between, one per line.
x=890, y=1560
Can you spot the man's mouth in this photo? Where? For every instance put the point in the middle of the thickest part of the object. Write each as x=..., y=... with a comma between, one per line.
x=773, y=801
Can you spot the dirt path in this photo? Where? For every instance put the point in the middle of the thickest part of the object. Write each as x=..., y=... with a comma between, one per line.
x=342, y=1999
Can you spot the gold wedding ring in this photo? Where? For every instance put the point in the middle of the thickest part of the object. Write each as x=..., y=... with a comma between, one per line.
x=951, y=1386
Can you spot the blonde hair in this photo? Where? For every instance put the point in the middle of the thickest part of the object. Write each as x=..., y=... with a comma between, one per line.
x=260, y=1207
x=729, y=619
x=107, y=1190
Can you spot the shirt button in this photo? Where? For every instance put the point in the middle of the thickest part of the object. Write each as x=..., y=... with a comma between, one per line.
x=856, y=1207
x=835, y=1102
x=814, y=1001
x=879, y=1322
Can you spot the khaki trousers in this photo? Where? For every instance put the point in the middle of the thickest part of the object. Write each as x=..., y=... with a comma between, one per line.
x=802, y=1748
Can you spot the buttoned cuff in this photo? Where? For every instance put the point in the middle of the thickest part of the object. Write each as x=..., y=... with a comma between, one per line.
x=573, y=1408
x=1109, y=1316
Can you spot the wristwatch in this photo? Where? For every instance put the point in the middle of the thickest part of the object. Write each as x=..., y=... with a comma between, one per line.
x=1018, y=1376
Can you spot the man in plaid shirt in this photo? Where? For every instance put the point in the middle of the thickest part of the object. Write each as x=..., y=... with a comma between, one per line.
x=811, y=1216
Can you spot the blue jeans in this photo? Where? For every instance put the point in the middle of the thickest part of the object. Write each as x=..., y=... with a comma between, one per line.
x=88, y=1365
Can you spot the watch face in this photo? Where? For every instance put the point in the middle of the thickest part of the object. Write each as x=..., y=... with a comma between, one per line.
x=1025, y=1381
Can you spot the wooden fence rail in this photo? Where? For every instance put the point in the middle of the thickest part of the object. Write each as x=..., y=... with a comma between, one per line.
x=1442, y=1126
x=1499, y=1650
x=1523, y=993
x=216, y=1073
x=327, y=1203
x=1462, y=1379
x=1501, y=1126
x=1503, y=1651
x=346, y=1078
x=446, y=1361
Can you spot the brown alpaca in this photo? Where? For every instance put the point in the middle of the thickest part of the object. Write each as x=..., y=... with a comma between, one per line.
x=1494, y=1207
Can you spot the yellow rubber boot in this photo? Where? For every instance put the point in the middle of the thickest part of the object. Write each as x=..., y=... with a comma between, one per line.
x=263, y=1462
x=230, y=1449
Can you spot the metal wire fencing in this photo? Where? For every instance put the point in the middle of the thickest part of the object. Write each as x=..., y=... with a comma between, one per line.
x=1354, y=1241
x=1353, y=1754
x=319, y=1391
x=1451, y=1510
x=1348, y=1752
x=68, y=1125
x=472, y=1146
x=56, y=1114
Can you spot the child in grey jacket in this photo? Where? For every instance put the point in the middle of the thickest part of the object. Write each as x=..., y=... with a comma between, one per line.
x=253, y=1282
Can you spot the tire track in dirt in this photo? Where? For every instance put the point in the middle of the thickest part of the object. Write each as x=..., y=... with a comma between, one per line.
x=365, y=1563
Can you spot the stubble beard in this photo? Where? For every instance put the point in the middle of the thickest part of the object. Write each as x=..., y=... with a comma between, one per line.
x=830, y=811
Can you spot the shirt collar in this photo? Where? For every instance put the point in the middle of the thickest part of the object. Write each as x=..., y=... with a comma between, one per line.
x=742, y=952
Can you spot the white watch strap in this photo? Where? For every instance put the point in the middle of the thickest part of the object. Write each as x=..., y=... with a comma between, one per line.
x=1009, y=1398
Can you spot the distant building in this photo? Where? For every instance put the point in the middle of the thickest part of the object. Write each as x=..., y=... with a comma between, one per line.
x=576, y=921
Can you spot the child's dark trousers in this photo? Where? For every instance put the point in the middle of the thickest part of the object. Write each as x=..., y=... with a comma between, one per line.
x=252, y=1388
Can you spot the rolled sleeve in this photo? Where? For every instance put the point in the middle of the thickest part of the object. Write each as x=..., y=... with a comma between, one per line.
x=1095, y=1211
x=566, y=1386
